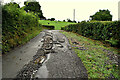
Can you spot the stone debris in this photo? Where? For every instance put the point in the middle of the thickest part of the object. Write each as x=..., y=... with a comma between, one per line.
x=77, y=45
x=29, y=70
x=74, y=41
x=112, y=57
x=81, y=48
x=65, y=63
x=69, y=47
x=59, y=45
x=61, y=40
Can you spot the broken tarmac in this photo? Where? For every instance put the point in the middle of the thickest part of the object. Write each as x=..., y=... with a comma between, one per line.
x=53, y=58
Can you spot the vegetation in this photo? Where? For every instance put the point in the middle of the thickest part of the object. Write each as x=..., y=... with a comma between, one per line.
x=104, y=31
x=95, y=56
x=33, y=7
x=49, y=27
x=56, y=24
x=102, y=15
x=18, y=26
x=63, y=20
x=22, y=24
x=52, y=19
x=68, y=20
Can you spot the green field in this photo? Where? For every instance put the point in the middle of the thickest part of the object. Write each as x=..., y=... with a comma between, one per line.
x=57, y=24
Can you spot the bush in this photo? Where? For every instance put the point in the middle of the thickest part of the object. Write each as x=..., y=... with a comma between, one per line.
x=49, y=27
x=107, y=31
x=16, y=26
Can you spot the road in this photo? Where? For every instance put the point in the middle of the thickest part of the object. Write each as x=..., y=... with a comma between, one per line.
x=63, y=63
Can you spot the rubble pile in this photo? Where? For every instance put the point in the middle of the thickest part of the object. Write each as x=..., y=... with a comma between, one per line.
x=29, y=70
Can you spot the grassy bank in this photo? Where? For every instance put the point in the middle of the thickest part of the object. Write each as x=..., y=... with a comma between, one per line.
x=57, y=24
x=97, y=59
x=20, y=40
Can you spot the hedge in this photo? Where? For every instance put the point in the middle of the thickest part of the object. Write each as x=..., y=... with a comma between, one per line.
x=49, y=27
x=17, y=26
x=107, y=31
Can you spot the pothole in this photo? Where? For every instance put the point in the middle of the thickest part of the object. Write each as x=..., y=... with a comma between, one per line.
x=34, y=67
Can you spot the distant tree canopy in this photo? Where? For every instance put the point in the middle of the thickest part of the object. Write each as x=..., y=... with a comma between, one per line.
x=68, y=20
x=63, y=20
x=33, y=7
x=52, y=19
x=12, y=4
x=102, y=15
x=74, y=21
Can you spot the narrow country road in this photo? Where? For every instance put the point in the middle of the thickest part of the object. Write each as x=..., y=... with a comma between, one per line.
x=62, y=63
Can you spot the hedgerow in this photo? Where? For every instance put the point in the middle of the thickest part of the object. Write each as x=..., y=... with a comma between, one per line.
x=17, y=26
x=106, y=31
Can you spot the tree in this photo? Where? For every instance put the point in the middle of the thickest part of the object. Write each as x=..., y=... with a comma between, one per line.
x=74, y=21
x=69, y=20
x=13, y=4
x=33, y=7
x=63, y=20
x=52, y=19
x=102, y=15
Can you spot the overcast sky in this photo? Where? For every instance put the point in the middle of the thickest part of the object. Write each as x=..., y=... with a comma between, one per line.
x=63, y=9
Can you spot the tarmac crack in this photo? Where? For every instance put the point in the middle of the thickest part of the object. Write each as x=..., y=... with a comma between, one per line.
x=29, y=70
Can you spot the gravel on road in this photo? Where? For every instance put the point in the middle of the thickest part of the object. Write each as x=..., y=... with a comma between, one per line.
x=61, y=61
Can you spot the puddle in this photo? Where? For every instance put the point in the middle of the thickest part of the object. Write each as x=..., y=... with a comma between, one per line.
x=42, y=72
x=48, y=57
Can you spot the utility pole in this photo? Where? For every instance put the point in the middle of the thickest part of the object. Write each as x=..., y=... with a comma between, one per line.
x=74, y=15
x=119, y=10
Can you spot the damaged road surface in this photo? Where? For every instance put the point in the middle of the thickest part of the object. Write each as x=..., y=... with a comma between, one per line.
x=52, y=57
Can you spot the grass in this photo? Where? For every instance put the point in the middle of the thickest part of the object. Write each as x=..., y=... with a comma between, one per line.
x=18, y=41
x=94, y=57
x=31, y=35
x=57, y=24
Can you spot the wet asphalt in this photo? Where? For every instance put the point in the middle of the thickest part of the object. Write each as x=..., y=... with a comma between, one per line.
x=63, y=63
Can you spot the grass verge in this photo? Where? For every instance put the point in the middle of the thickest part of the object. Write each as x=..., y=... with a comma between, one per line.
x=20, y=40
x=97, y=59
